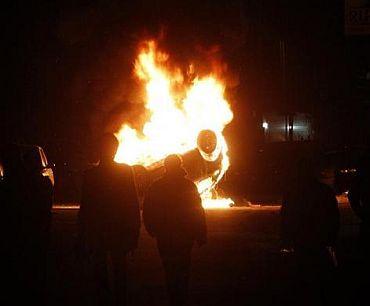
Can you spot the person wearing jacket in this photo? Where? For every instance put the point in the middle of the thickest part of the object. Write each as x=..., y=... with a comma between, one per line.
x=310, y=225
x=109, y=221
x=174, y=216
x=359, y=199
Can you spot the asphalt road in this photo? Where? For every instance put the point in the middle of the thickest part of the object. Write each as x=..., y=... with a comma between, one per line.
x=240, y=265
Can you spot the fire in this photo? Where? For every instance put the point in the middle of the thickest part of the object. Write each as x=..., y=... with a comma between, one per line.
x=175, y=118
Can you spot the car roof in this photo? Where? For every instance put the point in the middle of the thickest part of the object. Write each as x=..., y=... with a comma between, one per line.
x=14, y=153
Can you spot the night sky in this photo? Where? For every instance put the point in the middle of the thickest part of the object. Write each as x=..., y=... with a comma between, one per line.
x=69, y=65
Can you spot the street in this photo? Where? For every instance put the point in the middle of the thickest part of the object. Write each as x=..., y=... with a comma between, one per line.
x=251, y=100
x=240, y=265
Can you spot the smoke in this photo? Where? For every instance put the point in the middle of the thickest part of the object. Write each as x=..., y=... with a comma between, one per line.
x=102, y=42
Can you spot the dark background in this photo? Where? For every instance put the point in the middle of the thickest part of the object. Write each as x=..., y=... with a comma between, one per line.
x=68, y=67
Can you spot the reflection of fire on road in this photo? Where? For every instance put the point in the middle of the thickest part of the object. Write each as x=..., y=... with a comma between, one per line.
x=184, y=119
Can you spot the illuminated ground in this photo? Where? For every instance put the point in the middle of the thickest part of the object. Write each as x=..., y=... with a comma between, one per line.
x=239, y=266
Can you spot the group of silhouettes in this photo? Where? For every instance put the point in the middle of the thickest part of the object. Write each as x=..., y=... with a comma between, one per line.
x=109, y=223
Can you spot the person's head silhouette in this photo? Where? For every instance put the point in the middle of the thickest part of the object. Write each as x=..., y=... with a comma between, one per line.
x=308, y=169
x=108, y=148
x=32, y=161
x=363, y=168
x=173, y=164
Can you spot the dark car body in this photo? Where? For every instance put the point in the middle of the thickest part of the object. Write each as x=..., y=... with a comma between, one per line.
x=13, y=156
x=339, y=167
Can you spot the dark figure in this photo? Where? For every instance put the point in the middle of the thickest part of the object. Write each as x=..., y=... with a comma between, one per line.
x=35, y=226
x=27, y=213
x=11, y=203
x=359, y=199
x=173, y=214
x=310, y=224
x=109, y=221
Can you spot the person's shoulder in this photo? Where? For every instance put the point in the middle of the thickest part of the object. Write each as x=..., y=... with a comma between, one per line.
x=40, y=180
x=324, y=188
x=92, y=171
x=158, y=183
x=124, y=166
x=124, y=169
x=45, y=180
x=189, y=183
x=92, y=168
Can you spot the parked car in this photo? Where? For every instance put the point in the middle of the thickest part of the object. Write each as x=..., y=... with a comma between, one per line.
x=14, y=155
x=339, y=167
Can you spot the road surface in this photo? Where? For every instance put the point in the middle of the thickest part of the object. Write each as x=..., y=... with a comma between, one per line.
x=240, y=265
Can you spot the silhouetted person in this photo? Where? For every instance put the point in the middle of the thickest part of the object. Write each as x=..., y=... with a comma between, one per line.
x=35, y=225
x=310, y=224
x=27, y=213
x=173, y=214
x=109, y=221
x=359, y=198
x=11, y=203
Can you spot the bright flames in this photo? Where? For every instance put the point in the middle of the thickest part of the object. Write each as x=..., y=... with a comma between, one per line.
x=176, y=118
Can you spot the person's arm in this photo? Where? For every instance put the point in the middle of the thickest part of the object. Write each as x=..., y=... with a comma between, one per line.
x=201, y=226
x=149, y=212
x=134, y=210
x=286, y=224
x=334, y=219
x=47, y=200
x=82, y=218
x=354, y=199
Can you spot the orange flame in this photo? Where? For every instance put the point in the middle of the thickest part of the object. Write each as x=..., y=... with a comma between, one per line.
x=175, y=119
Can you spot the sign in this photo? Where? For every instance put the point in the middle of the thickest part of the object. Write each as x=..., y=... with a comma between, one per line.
x=357, y=17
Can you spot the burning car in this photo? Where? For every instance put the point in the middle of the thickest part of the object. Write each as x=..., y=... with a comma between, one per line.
x=185, y=115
